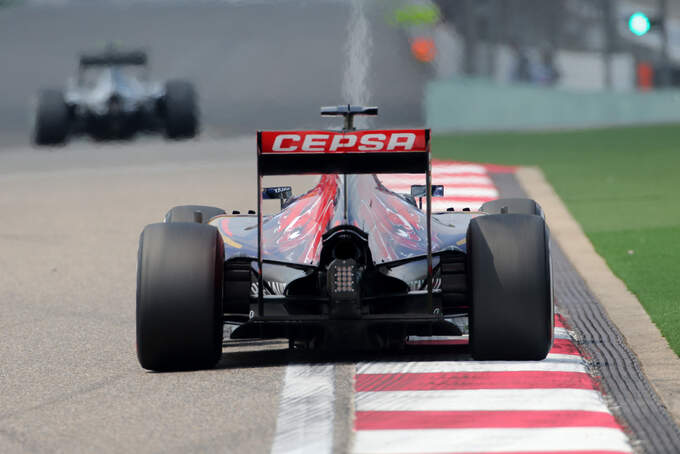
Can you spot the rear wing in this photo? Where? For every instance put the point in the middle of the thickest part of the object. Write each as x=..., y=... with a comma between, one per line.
x=343, y=152
x=351, y=152
x=110, y=58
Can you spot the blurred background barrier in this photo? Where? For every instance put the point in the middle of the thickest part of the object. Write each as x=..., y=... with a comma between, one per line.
x=563, y=64
x=472, y=104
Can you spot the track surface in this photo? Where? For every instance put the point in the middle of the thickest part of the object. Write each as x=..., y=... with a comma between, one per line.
x=69, y=378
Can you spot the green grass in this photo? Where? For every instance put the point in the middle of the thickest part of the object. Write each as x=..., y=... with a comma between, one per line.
x=621, y=184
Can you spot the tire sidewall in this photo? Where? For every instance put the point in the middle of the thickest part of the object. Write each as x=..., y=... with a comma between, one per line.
x=179, y=296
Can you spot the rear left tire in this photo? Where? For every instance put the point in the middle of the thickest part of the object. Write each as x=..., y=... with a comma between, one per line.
x=181, y=110
x=51, y=118
x=179, y=296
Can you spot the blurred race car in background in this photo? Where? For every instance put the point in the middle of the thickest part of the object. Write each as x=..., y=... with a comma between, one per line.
x=111, y=98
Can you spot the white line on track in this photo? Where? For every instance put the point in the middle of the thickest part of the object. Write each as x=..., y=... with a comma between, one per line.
x=491, y=440
x=563, y=333
x=306, y=412
x=482, y=400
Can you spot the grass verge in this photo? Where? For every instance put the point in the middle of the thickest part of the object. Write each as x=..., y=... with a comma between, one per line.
x=621, y=185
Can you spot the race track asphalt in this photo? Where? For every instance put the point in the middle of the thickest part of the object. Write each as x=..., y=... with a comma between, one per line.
x=71, y=216
x=69, y=378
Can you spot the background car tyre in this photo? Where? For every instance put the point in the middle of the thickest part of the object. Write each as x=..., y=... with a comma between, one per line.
x=51, y=118
x=185, y=213
x=179, y=296
x=181, y=110
x=510, y=279
x=517, y=206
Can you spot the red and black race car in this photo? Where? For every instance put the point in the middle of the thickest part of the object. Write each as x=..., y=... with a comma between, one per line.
x=348, y=264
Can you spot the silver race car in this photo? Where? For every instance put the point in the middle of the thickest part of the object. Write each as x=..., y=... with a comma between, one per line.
x=111, y=98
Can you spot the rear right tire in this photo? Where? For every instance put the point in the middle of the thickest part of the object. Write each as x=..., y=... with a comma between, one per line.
x=51, y=118
x=179, y=296
x=510, y=281
x=181, y=110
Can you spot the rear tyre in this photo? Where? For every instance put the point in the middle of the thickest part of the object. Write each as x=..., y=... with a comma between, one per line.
x=511, y=287
x=186, y=213
x=179, y=297
x=181, y=110
x=516, y=206
x=51, y=118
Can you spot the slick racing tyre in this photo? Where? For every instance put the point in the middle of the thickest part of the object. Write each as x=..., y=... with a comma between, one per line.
x=179, y=297
x=187, y=213
x=517, y=206
x=509, y=272
x=181, y=110
x=51, y=118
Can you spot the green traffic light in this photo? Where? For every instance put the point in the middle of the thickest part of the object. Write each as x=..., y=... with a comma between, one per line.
x=639, y=24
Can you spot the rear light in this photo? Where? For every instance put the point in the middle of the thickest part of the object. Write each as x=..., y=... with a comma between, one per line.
x=343, y=283
x=343, y=279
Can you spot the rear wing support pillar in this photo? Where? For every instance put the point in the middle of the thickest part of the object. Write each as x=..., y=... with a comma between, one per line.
x=260, y=277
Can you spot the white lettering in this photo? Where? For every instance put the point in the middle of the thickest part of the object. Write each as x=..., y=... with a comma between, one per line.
x=278, y=142
x=342, y=141
x=402, y=139
x=372, y=142
x=314, y=142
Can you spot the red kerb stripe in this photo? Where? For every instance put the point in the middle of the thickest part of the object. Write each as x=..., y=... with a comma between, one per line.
x=559, y=321
x=411, y=420
x=473, y=380
x=564, y=347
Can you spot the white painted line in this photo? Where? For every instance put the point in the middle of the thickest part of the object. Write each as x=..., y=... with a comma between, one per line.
x=563, y=333
x=563, y=356
x=490, y=440
x=573, y=364
x=482, y=400
x=305, y=422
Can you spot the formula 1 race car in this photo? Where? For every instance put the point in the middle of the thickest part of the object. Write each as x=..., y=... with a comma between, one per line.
x=111, y=98
x=348, y=264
